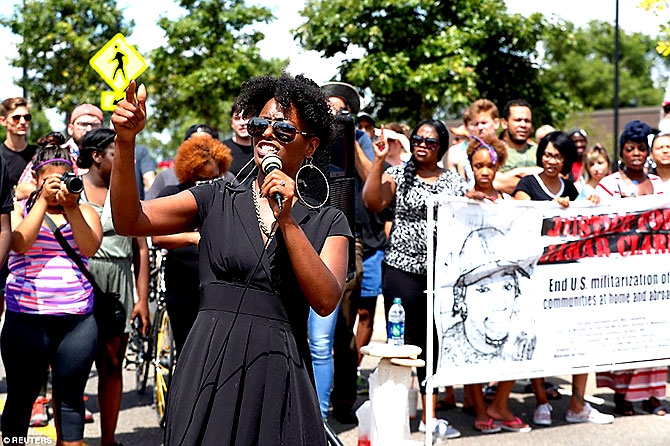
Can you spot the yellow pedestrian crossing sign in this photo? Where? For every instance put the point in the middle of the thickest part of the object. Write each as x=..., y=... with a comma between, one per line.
x=118, y=62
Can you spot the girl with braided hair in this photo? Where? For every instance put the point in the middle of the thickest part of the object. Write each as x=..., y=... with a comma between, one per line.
x=405, y=262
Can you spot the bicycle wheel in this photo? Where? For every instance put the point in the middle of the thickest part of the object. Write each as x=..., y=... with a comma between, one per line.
x=164, y=362
x=138, y=356
x=144, y=363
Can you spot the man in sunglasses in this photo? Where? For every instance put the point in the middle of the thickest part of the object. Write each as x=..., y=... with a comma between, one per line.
x=370, y=239
x=16, y=152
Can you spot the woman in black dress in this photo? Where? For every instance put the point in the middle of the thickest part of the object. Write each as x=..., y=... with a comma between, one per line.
x=244, y=376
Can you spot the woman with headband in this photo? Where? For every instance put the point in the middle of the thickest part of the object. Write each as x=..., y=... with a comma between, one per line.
x=486, y=154
x=49, y=319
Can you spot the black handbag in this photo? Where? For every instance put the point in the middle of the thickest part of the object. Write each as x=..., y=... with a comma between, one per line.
x=108, y=310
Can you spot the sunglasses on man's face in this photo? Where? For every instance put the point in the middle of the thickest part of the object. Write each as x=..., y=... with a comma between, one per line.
x=284, y=131
x=17, y=118
x=430, y=143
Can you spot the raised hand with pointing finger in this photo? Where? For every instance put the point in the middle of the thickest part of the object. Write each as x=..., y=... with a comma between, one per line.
x=380, y=145
x=130, y=115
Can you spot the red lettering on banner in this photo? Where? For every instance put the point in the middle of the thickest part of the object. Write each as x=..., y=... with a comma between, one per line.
x=660, y=243
x=632, y=234
x=656, y=220
x=585, y=227
x=593, y=247
x=642, y=244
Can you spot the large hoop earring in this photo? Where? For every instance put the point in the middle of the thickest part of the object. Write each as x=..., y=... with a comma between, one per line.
x=308, y=164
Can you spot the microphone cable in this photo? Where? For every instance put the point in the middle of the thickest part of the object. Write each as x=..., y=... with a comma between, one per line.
x=222, y=351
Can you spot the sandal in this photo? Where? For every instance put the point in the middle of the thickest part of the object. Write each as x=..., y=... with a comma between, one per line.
x=487, y=427
x=623, y=407
x=515, y=425
x=654, y=407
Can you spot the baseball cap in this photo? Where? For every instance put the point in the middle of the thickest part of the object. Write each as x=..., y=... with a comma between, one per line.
x=86, y=109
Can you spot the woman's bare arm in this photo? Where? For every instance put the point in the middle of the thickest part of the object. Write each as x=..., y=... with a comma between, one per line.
x=131, y=217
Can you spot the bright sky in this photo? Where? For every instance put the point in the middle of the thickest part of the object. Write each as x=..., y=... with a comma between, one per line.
x=279, y=43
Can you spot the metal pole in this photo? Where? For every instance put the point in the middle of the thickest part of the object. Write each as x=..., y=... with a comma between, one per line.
x=24, y=71
x=616, y=87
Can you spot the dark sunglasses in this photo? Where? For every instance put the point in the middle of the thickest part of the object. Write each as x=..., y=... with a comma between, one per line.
x=284, y=131
x=17, y=118
x=430, y=143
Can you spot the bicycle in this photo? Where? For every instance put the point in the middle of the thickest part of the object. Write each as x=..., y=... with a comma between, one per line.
x=156, y=350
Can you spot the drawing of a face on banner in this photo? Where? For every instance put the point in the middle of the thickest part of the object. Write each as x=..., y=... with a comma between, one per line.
x=485, y=298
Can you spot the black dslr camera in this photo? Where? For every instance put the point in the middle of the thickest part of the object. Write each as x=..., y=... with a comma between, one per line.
x=74, y=183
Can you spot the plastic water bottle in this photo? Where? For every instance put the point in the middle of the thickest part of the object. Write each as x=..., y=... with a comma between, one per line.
x=396, y=323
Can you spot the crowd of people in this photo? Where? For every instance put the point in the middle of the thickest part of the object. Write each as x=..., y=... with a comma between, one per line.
x=263, y=311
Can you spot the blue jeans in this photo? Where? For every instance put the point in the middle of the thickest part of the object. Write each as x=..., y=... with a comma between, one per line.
x=321, y=334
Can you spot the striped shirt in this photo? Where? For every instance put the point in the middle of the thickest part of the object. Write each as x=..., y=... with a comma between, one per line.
x=44, y=280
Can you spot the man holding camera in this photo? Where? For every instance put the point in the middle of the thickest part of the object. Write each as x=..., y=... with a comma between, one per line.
x=345, y=99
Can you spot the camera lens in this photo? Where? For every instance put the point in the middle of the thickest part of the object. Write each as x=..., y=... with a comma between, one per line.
x=73, y=183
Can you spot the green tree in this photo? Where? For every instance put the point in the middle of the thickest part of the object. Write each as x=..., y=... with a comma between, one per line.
x=657, y=7
x=581, y=65
x=425, y=58
x=209, y=53
x=59, y=37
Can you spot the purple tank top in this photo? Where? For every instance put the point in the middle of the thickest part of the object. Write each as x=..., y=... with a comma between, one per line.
x=44, y=280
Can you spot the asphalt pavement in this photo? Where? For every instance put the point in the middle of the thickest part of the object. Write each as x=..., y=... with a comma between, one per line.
x=138, y=422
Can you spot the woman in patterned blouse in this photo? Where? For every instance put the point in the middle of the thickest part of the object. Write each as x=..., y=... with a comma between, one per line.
x=405, y=264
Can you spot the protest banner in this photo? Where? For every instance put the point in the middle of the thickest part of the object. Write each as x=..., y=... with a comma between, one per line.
x=536, y=290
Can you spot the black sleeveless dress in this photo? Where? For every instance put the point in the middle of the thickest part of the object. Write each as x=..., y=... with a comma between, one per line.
x=245, y=375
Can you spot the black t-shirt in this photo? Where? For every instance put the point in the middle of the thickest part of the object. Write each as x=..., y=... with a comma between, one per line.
x=16, y=162
x=535, y=188
x=370, y=226
x=241, y=156
x=6, y=192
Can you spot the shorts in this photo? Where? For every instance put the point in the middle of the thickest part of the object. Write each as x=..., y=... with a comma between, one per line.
x=371, y=285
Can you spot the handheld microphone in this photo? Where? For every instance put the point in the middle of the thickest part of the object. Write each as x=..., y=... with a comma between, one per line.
x=268, y=164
